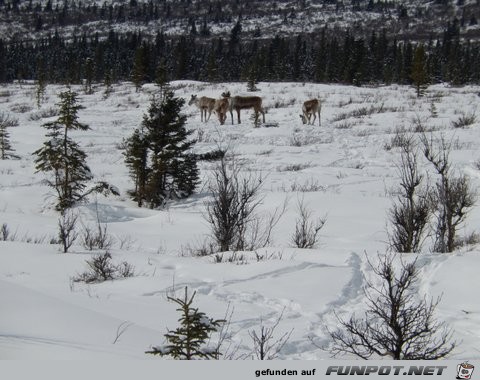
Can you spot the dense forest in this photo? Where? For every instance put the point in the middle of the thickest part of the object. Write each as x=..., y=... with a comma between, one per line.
x=318, y=58
x=102, y=53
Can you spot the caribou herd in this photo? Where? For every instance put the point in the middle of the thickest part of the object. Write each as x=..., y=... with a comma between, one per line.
x=227, y=103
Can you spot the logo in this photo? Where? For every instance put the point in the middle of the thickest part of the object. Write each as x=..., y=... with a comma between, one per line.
x=464, y=371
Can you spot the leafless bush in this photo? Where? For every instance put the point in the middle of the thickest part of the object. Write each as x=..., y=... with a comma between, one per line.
x=453, y=196
x=299, y=139
x=21, y=108
x=364, y=111
x=265, y=345
x=306, y=230
x=238, y=258
x=234, y=204
x=397, y=323
x=400, y=139
x=4, y=232
x=203, y=248
x=409, y=216
x=283, y=103
x=310, y=185
x=44, y=114
x=465, y=120
x=66, y=233
x=126, y=242
x=294, y=167
x=122, y=327
x=344, y=125
x=304, y=139
x=7, y=121
x=96, y=237
x=469, y=240
x=101, y=268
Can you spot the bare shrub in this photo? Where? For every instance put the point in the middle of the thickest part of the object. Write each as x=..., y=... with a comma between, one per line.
x=294, y=167
x=310, y=185
x=96, y=237
x=265, y=345
x=400, y=139
x=101, y=268
x=8, y=121
x=453, y=196
x=203, y=248
x=66, y=229
x=44, y=113
x=284, y=103
x=5, y=232
x=465, y=120
x=233, y=207
x=21, y=108
x=409, y=216
x=238, y=258
x=470, y=240
x=344, y=125
x=397, y=323
x=364, y=111
x=306, y=230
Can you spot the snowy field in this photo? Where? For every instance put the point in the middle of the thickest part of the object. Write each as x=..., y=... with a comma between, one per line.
x=344, y=169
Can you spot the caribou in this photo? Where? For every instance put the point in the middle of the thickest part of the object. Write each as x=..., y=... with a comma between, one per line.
x=311, y=107
x=220, y=108
x=204, y=104
x=238, y=103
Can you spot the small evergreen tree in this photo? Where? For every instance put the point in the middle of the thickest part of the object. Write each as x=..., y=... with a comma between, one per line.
x=158, y=154
x=108, y=84
x=252, y=79
x=139, y=67
x=40, y=84
x=63, y=157
x=419, y=73
x=6, y=150
x=136, y=158
x=89, y=73
x=161, y=77
x=189, y=341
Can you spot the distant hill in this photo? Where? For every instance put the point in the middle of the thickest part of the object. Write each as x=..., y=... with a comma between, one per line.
x=412, y=19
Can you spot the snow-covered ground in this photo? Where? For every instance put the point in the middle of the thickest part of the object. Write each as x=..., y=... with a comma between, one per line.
x=344, y=169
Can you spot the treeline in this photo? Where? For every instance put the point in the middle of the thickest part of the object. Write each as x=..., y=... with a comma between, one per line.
x=322, y=57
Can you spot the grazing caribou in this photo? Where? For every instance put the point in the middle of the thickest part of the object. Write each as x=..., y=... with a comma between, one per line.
x=311, y=107
x=204, y=104
x=238, y=103
x=220, y=108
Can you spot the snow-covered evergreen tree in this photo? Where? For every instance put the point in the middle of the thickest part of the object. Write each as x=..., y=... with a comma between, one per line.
x=158, y=155
x=6, y=150
x=64, y=158
x=190, y=340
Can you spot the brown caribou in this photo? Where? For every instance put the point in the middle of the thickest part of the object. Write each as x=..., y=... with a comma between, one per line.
x=311, y=107
x=221, y=108
x=204, y=104
x=238, y=103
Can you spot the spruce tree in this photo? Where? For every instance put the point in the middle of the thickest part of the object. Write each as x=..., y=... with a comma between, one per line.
x=63, y=157
x=136, y=158
x=189, y=341
x=6, y=150
x=139, y=67
x=89, y=74
x=161, y=76
x=158, y=154
x=40, y=84
x=419, y=70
